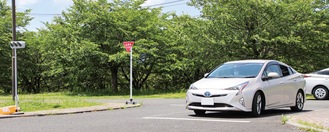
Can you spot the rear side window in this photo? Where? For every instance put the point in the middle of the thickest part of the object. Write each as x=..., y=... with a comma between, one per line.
x=284, y=70
x=325, y=72
x=292, y=71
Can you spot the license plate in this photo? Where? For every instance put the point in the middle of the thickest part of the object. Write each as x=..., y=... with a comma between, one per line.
x=207, y=101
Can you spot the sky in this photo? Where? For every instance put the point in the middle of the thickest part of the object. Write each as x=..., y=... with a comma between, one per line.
x=45, y=10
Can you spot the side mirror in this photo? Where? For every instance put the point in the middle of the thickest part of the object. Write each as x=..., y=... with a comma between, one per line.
x=271, y=75
x=206, y=74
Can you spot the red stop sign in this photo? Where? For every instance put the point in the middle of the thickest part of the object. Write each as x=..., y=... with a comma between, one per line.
x=128, y=45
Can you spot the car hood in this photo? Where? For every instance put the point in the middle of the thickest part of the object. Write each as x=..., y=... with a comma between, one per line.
x=219, y=83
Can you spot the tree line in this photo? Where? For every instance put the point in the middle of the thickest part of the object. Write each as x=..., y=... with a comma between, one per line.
x=82, y=50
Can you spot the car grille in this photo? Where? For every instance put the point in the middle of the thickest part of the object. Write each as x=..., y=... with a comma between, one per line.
x=218, y=95
x=215, y=105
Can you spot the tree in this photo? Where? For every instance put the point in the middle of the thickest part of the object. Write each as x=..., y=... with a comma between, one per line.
x=195, y=53
x=255, y=29
x=87, y=42
x=5, y=38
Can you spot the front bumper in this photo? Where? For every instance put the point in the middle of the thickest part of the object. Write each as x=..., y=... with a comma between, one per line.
x=223, y=100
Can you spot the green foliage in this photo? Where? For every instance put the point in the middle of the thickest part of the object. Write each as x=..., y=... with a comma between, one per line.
x=5, y=51
x=5, y=37
x=82, y=50
x=282, y=30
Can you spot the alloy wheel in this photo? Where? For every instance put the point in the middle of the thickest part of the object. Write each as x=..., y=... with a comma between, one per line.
x=259, y=104
x=320, y=92
x=300, y=100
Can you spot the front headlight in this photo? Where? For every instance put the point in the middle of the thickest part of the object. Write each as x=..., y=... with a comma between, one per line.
x=192, y=87
x=239, y=87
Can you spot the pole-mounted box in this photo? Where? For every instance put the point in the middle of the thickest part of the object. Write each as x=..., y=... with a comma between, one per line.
x=17, y=44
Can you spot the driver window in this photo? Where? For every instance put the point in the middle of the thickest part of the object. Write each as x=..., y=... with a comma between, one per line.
x=271, y=68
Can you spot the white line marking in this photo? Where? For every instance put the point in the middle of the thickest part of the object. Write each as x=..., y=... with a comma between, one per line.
x=189, y=119
x=168, y=114
x=183, y=105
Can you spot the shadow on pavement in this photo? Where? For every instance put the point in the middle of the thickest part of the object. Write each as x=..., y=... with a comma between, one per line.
x=241, y=114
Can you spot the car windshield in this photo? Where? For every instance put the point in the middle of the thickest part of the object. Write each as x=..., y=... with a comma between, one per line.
x=236, y=70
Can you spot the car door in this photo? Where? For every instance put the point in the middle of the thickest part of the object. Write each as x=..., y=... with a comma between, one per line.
x=291, y=81
x=273, y=87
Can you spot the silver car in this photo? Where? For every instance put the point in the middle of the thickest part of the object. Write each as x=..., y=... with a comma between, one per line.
x=317, y=84
x=247, y=85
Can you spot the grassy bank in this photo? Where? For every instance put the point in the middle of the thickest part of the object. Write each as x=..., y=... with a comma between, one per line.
x=47, y=101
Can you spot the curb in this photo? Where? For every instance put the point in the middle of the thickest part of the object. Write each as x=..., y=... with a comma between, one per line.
x=109, y=106
x=311, y=121
x=306, y=127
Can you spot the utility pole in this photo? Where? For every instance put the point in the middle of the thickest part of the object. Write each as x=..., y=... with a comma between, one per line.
x=13, y=75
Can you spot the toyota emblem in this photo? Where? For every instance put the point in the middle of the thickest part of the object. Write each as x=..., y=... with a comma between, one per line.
x=207, y=94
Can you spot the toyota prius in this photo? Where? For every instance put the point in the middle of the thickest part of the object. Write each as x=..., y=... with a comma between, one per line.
x=247, y=85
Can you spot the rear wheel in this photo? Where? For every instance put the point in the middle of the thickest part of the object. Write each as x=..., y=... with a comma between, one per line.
x=257, y=105
x=320, y=93
x=199, y=112
x=299, y=102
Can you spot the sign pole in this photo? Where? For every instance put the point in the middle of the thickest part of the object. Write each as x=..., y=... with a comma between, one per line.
x=131, y=74
x=129, y=48
x=16, y=96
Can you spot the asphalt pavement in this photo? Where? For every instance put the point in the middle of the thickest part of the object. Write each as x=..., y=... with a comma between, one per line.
x=312, y=119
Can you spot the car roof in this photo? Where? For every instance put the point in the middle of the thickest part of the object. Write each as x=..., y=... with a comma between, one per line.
x=252, y=61
x=315, y=72
x=324, y=69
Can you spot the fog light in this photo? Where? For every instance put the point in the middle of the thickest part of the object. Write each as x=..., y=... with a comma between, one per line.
x=241, y=101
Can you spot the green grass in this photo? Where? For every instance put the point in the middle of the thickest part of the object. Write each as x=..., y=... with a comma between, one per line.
x=311, y=125
x=284, y=119
x=48, y=101
x=309, y=96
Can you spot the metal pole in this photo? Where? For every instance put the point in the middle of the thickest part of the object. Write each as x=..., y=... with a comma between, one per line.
x=16, y=96
x=13, y=65
x=131, y=74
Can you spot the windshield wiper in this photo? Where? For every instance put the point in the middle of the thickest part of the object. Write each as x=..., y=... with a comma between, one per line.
x=249, y=77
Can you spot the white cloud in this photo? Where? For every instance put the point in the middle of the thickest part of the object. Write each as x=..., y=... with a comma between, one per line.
x=152, y=2
x=25, y=2
x=63, y=2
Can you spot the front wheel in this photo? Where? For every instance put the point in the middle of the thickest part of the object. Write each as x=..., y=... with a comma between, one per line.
x=199, y=112
x=320, y=93
x=299, y=102
x=257, y=105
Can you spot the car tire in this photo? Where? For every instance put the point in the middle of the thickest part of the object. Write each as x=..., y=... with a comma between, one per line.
x=257, y=105
x=299, y=105
x=199, y=112
x=320, y=93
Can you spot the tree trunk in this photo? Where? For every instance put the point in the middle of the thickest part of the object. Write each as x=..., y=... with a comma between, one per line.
x=114, y=78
